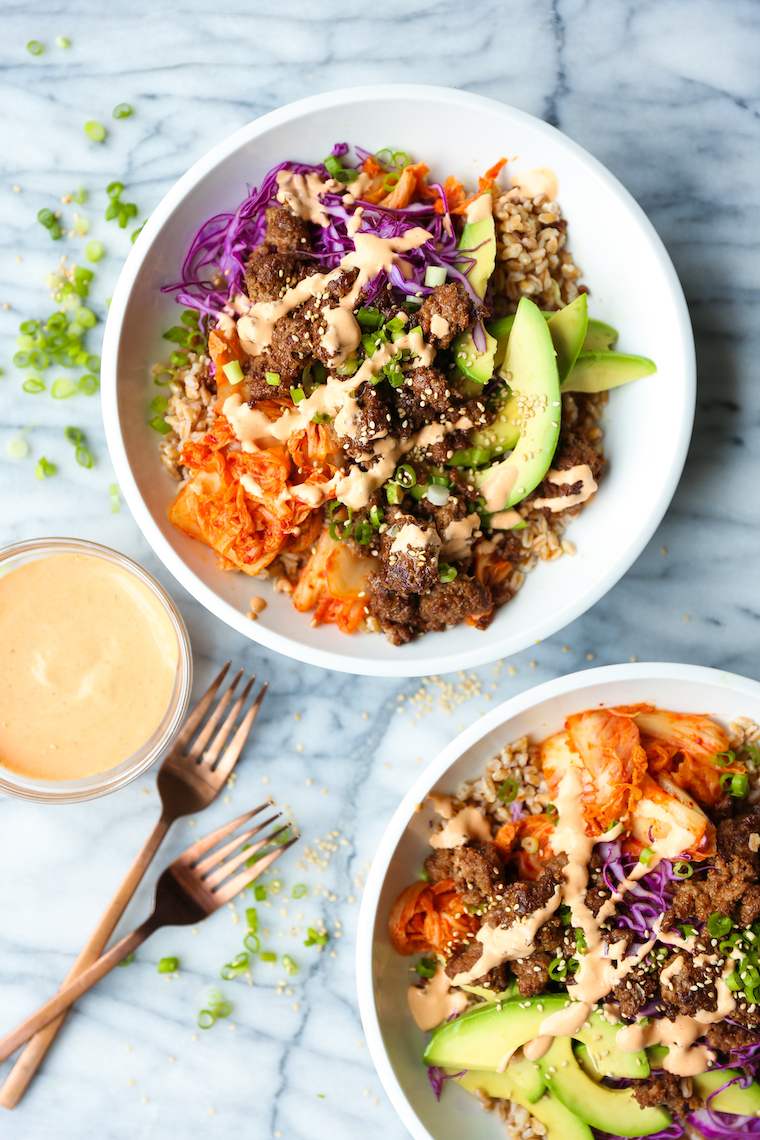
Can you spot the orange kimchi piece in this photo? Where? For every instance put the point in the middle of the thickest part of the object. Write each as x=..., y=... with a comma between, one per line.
x=430, y=916
x=333, y=584
x=692, y=749
x=530, y=859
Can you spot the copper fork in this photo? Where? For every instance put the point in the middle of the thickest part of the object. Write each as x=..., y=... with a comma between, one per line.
x=189, y=779
x=189, y=890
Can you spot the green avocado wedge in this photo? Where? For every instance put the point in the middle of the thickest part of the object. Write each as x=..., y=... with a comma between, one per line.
x=560, y=1123
x=493, y=995
x=491, y=442
x=611, y=1110
x=568, y=329
x=479, y=239
x=599, y=371
x=599, y=336
x=530, y=369
x=481, y=1038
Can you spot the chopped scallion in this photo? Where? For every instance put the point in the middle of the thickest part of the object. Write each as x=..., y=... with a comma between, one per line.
x=252, y=942
x=435, y=275
x=88, y=384
x=34, y=47
x=267, y=956
x=85, y=317
x=646, y=856
x=113, y=494
x=160, y=425
x=507, y=793
x=62, y=42
x=259, y=892
x=168, y=965
x=297, y=394
x=62, y=388
x=316, y=938
x=426, y=967
x=231, y=370
x=238, y=965
x=122, y=111
x=289, y=965
x=205, y=1019
x=299, y=891
x=683, y=870
x=718, y=925
x=33, y=385
x=95, y=130
x=129, y=958
x=272, y=378
x=446, y=572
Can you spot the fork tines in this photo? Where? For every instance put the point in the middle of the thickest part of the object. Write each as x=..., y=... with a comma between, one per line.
x=212, y=872
x=200, y=751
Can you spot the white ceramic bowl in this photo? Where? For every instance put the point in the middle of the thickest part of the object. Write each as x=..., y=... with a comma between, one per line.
x=634, y=287
x=382, y=976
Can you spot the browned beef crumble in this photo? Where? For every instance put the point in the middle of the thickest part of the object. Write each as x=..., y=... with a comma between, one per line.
x=675, y=1093
x=572, y=451
x=413, y=569
x=453, y=305
x=731, y=885
x=477, y=871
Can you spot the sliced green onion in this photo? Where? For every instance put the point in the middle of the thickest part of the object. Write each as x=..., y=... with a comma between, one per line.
x=179, y=360
x=62, y=388
x=18, y=448
x=564, y=914
x=683, y=870
x=321, y=418
x=297, y=394
x=80, y=196
x=558, y=969
x=552, y=813
x=252, y=918
x=29, y=327
x=289, y=965
x=232, y=371
x=159, y=405
x=88, y=384
x=275, y=886
x=507, y=793
x=39, y=360
x=348, y=367
x=62, y=42
x=733, y=981
x=122, y=111
x=158, y=379
x=48, y=219
x=56, y=322
x=214, y=998
x=168, y=965
x=34, y=47
x=33, y=385
x=718, y=925
x=114, y=189
x=435, y=275
x=272, y=378
x=687, y=930
x=737, y=783
x=129, y=958
x=84, y=457
x=393, y=493
x=299, y=891
x=334, y=165
x=267, y=956
x=369, y=318
x=376, y=516
x=446, y=573
x=238, y=965
x=315, y=938
x=93, y=250
x=401, y=159
x=190, y=317
x=251, y=942
x=260, y=892
x=580, y=939
x=73, y=435
x=646, y=856
x=25, y=342
x=205, y=1019
x=93, y=363
x=425, y=874
x=723, y=759
x=426, y=967
x=160, y=425
x=81, y=225
x=363, y=533
x=136, y=233
x=406, y=476
x=85, y=317
x=21, y=359
x=333, y=527
x=113, y=494
x=95, y=130
x=222, y=1010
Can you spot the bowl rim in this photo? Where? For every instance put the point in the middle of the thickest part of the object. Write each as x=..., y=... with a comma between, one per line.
x=482, y=651
x=103, y=783
x=560, y=686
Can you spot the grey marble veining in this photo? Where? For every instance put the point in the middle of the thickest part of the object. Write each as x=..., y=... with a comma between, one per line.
x=667, y=95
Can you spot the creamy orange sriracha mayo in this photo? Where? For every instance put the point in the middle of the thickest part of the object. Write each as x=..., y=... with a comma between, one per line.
x=88, y=658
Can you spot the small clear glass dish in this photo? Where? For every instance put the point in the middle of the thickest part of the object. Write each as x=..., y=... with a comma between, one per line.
x=91, y=787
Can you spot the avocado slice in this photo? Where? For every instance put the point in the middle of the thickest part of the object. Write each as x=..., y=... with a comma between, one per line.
x=560, y=1123
x=482, y=1037
x=482, y=235
x=491, y=442
x=741, y=1102
x=599, y=336
x=611, y=1110
x=598, y=371
x=530, y=368
x=492, y=995
x=568, y=328
x=478, y=366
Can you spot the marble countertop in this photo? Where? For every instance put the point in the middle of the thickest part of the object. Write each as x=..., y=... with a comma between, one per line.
x=668, y=96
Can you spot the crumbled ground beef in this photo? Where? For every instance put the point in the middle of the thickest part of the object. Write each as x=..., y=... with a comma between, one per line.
x=723, y=1037
x=269, y=273
x=463, y=960
x=633, y=993
x=448, y=603
x=572, y=451
x=675, y=1093
x=689, y=990
x=476, y=869
x=412, y=566
x=285, y=230
x=373, y=419
x=520, y=899
x=532, y=973
x=257, y=387
x=730, y=886
x=451, y=304
x=423, y=396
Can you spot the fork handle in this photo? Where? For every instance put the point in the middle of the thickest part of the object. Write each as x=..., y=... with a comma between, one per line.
x=21, y=1074
x=69, y=993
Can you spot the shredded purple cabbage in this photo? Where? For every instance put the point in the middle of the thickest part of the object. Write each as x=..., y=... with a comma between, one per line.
x=214, y=268
x=437, y=1077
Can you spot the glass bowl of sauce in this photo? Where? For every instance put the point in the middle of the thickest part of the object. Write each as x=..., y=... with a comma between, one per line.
x=95, y=670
